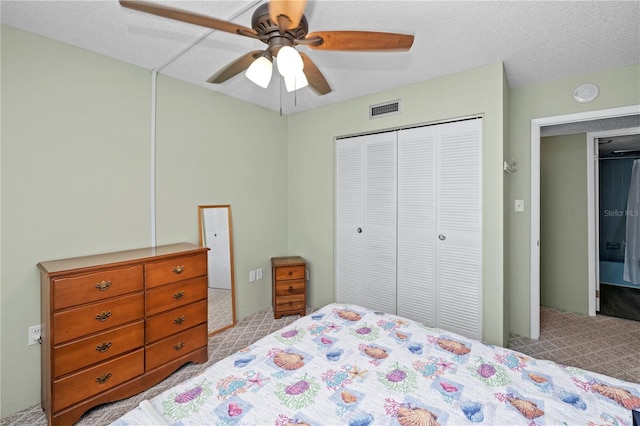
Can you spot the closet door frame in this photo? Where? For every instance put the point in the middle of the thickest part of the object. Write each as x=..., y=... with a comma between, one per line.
x=435, y=239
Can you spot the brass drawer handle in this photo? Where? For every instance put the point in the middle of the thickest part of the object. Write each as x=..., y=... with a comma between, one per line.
x=179, y=295
x=103, y=285
x=178, y=320
x=103, y=347
x=179, y=346
x=103, y=379
x=178, y=270
x=290, y=273
x=290, y=288
x=103, y=316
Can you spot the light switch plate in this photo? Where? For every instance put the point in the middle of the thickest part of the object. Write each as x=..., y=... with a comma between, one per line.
x=519, y=206
x=252, y=276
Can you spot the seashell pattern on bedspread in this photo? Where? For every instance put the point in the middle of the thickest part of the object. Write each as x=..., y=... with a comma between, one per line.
x=347, y=365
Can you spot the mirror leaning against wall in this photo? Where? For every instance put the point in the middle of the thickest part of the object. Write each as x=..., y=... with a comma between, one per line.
x=216, y=234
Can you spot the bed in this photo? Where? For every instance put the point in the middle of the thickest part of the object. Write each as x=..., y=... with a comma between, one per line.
x=347, y=365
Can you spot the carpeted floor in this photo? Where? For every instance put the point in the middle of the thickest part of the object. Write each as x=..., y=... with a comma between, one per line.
x=603, y=344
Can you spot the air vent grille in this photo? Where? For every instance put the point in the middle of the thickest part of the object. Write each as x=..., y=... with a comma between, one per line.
x=385, y=109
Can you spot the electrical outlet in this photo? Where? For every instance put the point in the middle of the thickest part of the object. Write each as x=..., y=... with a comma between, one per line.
x=259, y=274
x=35, y=334
x=252, y=276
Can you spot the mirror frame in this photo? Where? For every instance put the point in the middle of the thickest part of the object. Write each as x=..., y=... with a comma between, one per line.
x=203, y=243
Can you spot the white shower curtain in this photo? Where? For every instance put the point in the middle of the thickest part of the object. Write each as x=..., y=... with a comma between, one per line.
x=632, y=248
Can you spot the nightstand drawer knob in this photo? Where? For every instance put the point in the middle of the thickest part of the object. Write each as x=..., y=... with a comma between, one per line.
x=103, y=347
x=179, y=346
x=102, y=317
x=103, y=379
x=103, y=285
x=178, y=320
x=178, y=270
x=179, y=295
x=290, y=288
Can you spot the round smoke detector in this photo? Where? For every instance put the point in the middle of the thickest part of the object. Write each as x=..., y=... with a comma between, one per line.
x=586, y=93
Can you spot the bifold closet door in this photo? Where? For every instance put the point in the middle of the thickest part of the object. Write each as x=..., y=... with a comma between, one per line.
x=417, y=232
x=439, y=226
x=366, y=221
x=459, y=262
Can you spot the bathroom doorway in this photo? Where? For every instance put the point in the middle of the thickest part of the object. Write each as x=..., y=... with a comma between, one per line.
x=618, y=224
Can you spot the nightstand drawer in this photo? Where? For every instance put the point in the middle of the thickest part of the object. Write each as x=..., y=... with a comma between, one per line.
x=288, y=288
x=289, y=303
x=176, y=320
x=97, y=317
x=89, y=288
x=93, y=381
x=178, y=269
x=98, y=348
x=171, y=296
x=290, y=272
x=175, y=346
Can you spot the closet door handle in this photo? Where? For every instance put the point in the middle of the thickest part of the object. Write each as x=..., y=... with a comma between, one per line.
x=359, y=230
x=442, y=237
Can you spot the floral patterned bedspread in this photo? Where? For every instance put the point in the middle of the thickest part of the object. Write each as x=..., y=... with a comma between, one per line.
x=345, y=364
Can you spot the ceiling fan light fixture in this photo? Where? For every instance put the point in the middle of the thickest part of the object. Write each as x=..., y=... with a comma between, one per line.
x=260, y=71
x=289, y=61
x=296, y=82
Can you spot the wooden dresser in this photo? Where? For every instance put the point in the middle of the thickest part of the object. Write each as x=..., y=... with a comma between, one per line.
x=116, y=324
x=289, y=289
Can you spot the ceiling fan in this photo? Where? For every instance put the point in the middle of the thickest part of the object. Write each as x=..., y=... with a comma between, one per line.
x=281, y=25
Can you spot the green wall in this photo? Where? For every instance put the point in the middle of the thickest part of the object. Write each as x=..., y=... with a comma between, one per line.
x=564, y=255
x=311, y=173
x=76, y=178
x=618, y=87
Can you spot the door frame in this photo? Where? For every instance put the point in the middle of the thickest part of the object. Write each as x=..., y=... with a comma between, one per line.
x=593, y=219
x=536, y=124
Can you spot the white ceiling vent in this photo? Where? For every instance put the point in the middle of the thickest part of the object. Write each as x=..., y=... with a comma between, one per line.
x=387, y=108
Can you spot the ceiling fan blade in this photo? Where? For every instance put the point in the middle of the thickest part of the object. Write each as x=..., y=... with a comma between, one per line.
x=286, y=13
x=358, y=41
x=315, y=78
x=189, y=17
x=235, y=67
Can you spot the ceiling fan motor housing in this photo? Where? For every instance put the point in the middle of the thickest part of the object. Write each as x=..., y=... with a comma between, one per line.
x=269, y=31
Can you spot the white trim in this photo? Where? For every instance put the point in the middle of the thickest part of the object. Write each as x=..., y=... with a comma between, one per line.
x=536, y=124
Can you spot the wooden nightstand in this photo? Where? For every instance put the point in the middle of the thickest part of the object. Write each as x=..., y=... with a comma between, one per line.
x=289, y=289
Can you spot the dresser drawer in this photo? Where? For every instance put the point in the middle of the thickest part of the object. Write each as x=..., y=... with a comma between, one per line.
x=289, y=303
x=290, y=272
x=98, y=348
x=175, y=295
x=175, y=346
x=176, y=320
x=177, y=269
x=290, y=287
x=97, y=379
x=96, y=317
x=88, y=288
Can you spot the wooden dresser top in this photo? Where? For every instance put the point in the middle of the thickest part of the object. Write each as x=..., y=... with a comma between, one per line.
x=54, y=267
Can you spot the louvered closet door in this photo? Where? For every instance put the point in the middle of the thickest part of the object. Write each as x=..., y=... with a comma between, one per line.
x=366, y=221
x=459, y=223
x=417, y=233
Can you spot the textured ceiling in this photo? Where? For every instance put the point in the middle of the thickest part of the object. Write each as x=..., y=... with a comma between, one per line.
x=536, y=40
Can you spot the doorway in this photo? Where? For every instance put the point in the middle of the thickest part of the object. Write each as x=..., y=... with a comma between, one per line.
x=536, y=125
x=616, y=219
